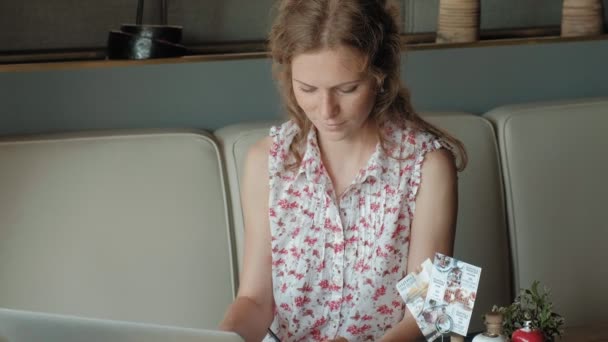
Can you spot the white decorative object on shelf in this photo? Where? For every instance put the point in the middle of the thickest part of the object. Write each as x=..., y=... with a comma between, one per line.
x=493, y=331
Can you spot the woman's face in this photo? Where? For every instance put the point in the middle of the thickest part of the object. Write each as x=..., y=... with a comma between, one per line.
x=334, y=91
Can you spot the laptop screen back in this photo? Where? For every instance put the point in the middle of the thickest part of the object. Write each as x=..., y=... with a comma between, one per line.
x=25, y=326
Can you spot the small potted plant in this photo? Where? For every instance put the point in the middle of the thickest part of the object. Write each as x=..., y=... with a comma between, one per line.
x=532, y=305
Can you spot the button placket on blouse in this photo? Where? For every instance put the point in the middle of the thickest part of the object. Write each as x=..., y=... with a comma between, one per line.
x=337, y=264
x=346, y=204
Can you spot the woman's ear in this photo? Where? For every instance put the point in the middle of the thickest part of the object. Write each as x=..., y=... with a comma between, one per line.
x=380, y=83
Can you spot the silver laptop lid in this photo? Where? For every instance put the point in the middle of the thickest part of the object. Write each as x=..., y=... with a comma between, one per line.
x=25, y=326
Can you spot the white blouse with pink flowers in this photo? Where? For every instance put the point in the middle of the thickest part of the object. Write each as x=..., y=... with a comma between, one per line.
x=335, y=264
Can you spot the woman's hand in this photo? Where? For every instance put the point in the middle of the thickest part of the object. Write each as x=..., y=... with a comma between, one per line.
x=337, y=339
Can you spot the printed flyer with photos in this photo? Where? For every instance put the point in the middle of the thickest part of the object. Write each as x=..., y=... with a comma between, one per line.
x=413, y=289
x=441, y=295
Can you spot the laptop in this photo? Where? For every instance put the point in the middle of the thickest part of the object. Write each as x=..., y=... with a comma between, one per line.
x=25, y=326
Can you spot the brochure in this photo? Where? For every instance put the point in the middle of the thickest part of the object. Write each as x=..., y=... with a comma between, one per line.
x=441, y=296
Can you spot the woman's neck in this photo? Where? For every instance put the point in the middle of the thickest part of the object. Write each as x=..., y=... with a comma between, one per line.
x=345, y=157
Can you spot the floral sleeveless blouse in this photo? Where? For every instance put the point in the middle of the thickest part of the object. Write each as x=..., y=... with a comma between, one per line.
x=335, y=266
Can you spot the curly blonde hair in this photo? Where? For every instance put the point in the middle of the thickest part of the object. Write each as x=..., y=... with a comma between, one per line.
x=368, y=26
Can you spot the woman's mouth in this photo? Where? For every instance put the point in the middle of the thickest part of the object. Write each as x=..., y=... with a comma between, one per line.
x=334, y=126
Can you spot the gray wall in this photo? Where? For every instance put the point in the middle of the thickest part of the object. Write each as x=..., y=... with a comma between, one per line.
x=60, y=24
x=210, y=95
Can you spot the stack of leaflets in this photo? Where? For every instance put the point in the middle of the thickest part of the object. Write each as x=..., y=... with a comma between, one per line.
x=441, y=295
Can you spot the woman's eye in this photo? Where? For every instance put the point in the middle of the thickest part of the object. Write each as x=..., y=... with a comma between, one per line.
x=349, y=89
x=307, y=90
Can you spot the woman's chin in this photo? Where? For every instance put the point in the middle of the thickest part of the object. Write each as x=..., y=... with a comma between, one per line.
x=333, y=134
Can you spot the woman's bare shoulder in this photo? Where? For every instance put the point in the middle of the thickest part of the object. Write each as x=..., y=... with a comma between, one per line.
x=257, y=156
x=256, y=163
x=440, y=161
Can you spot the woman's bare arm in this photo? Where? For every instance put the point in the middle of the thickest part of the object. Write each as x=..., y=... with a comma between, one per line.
x=251, y=313
x=433, y=225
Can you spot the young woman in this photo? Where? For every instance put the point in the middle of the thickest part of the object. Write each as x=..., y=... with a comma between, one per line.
x=360, y=189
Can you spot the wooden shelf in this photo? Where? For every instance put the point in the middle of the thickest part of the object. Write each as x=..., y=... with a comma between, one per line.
x=95, y=58
x=506, y=42
x=104, y=63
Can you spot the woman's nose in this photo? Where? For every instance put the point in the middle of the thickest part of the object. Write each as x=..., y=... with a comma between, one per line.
x=329, y=105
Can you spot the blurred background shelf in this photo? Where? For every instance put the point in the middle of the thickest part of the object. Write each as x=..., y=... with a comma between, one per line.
x=96, y=57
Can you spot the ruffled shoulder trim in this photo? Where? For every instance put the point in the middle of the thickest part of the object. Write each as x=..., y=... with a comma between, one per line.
x=282, y=137
x=425, y=142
